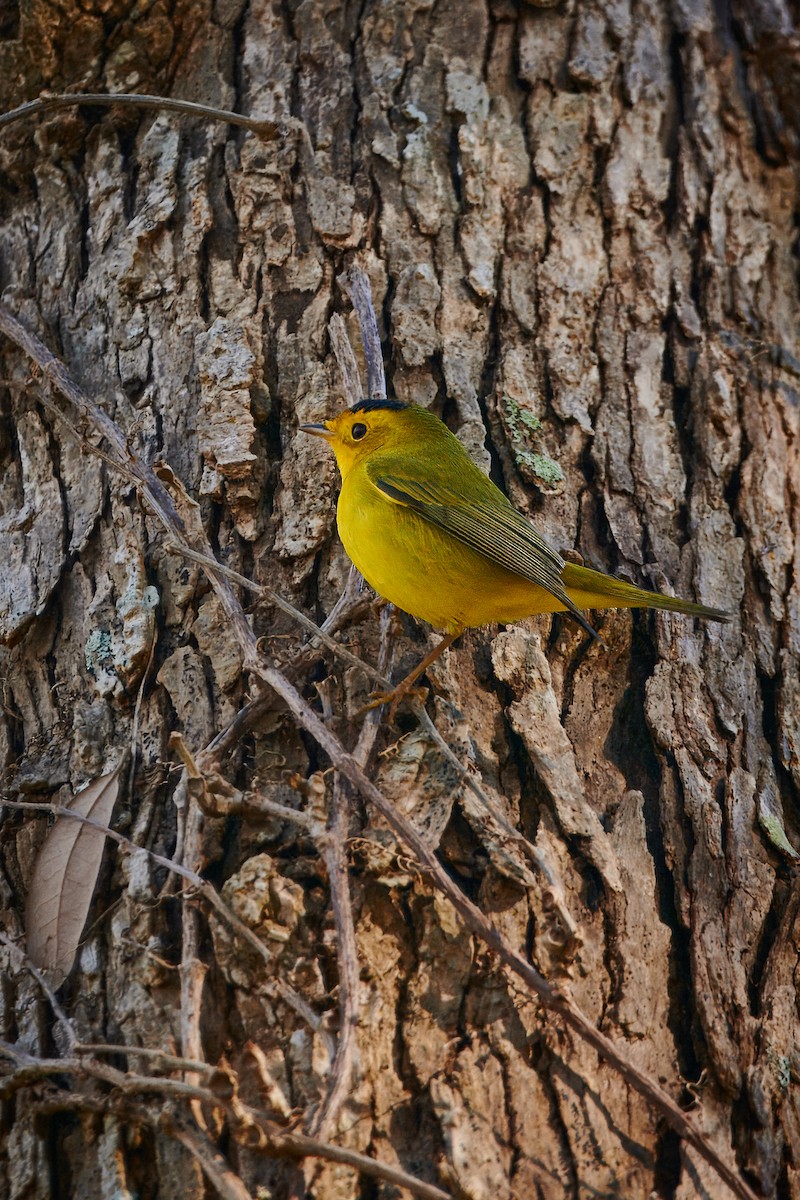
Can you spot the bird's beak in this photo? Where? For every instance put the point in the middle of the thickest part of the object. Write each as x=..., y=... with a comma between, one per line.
x=319, y=431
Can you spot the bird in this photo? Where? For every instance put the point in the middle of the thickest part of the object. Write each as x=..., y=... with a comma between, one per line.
x=432, y=534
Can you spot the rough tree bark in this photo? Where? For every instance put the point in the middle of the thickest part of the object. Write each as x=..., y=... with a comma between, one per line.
x=578, y=225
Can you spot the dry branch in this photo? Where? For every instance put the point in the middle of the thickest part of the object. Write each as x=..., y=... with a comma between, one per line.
x=245, y=1121
x=356, y=284
x=264, y=128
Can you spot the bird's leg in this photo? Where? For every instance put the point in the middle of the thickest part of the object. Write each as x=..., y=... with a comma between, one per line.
x=406, y=686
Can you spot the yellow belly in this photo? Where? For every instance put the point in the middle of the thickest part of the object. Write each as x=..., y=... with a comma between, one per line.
x=427, y=572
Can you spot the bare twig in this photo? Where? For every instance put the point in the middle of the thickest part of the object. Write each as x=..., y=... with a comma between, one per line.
x=218, y=798
x=171, y=1062
x=531, y=852
x=54, y=371
x=318, y=633
x=275, y=1141
x=267, y=129
x=302, y=1147
x=200, y=885
x=355, y=282
x=254, y=803
x=356, y=598
x=306, y=1013
x=351, y=602
x=345, y=359
x=334, y=849
x=30, y=1070
x=334, y=853
x=58, y=1011
x=216, y=1170
x=192, y=970
x=144, y=809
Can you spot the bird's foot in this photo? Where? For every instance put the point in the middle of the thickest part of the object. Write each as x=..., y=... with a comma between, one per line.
x=394, y=698
x=406, y=686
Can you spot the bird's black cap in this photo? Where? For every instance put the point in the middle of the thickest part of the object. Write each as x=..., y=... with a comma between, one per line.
x=365, y=406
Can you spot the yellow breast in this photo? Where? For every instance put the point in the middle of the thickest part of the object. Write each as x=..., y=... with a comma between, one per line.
x=424, y=570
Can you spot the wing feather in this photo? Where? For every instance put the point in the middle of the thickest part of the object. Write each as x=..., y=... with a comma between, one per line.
x=487, y=523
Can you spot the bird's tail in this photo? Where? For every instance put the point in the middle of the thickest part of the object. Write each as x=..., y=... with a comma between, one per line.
x=592, y=589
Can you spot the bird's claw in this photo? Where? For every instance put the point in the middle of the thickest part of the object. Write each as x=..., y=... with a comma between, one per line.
x=394, y=699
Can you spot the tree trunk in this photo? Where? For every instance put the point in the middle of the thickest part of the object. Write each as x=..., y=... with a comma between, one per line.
x=578, y=226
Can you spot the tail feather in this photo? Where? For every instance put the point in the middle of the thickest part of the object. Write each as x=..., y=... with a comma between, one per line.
x=593, y=589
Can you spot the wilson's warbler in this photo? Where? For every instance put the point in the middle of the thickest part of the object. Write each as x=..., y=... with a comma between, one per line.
x=430, y=532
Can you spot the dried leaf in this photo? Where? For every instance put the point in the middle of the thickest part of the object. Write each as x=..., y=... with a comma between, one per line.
x=64, y=878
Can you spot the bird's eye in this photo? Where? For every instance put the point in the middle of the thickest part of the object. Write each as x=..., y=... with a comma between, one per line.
x=358, y=431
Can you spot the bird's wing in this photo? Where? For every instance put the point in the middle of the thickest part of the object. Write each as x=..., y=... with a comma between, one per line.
x=487, y=523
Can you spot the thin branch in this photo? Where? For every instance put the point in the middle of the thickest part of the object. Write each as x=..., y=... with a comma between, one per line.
x=171, y=1062
x=350, y=603
x=30, y=1070
x=267, y=593
x=334, y=851
x=216, y=1170
x=56, y=374
x=334, y=854
x=306, y=1013
x=61, y=1016
x=193, y=969
x=274, y=1141
x=301, y=1146
x=267, y=129
x=345, y=359
x=531, y=852
x=137, y=713
x=221, y=801
x=256, y=805
x=355, y=282
x=353, y=601
x=200, y=885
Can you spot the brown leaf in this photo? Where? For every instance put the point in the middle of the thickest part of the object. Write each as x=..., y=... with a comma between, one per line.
x=64, y=877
